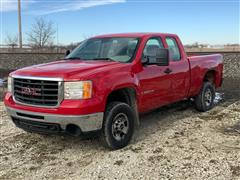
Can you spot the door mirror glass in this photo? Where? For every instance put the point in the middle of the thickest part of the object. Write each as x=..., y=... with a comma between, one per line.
x=160, y=57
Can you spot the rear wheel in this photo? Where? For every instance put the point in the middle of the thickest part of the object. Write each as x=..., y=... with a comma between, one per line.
x=118, y=126
x=204, y=100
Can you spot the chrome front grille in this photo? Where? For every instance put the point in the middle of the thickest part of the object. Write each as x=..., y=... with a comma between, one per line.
x=44, y=92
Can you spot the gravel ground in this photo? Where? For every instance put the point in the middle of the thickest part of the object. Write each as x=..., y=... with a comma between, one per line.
x=174, y=142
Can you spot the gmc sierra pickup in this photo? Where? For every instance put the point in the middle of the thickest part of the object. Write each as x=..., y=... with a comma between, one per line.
x=105, y=83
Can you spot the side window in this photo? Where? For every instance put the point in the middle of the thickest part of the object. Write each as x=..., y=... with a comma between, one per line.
x=151, y=47
x=173, y=49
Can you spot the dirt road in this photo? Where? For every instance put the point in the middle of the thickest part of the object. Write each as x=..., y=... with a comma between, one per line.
x=174, y=142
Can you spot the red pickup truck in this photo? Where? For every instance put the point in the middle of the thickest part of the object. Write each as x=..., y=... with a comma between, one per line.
x=105, y=83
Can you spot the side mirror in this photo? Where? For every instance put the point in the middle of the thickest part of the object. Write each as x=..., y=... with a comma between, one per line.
x=161, y=58
x=67, y=52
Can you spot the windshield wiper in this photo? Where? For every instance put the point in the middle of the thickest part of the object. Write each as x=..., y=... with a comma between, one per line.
x=78, y=58
x=108, y=59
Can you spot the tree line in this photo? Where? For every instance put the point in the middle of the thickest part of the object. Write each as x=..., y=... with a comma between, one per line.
x=41, y=35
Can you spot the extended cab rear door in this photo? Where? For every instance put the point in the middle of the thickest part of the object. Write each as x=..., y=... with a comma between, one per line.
x=179, y=70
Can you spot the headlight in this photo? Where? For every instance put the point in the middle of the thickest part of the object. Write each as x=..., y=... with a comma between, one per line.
x=78, y=90
x=9, y=84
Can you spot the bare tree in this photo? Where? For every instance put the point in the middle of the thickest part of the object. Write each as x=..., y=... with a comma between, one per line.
x=42, y=33
x=11, y=40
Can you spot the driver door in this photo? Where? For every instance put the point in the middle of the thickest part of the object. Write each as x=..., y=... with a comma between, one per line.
x=154, y=81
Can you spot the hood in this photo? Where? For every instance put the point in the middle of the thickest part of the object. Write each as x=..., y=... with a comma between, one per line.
x=66, y=69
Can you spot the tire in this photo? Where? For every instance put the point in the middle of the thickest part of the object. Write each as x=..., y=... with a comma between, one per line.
x=205, y=99
x=118, y=125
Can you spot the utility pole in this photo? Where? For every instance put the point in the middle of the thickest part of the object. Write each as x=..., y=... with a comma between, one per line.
x=57, y=39
x=19, y=24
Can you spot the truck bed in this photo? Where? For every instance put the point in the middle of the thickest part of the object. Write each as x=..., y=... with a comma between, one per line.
x=200, y=65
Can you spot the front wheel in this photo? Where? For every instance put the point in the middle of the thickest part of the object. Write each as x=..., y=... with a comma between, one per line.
x=118, y=126
x=205, y=99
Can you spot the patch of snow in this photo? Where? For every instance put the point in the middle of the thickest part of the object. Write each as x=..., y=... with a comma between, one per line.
x=218, y=97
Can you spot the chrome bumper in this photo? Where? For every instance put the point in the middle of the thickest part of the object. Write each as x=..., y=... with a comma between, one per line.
x=86, y=123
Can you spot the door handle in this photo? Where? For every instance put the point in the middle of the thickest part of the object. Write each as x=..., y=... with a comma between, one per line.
x=167, y=71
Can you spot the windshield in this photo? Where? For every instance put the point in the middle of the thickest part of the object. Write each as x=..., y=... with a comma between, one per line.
x=116, y=49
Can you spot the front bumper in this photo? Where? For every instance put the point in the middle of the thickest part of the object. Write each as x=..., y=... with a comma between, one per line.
x=86, y=123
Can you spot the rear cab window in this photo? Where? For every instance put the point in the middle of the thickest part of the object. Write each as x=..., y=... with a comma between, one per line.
x=174, y=50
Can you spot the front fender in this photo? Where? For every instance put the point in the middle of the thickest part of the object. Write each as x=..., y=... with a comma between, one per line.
x=118, y=81
x=115, y=79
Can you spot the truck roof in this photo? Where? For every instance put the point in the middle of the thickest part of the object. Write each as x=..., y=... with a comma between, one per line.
x=136, y=35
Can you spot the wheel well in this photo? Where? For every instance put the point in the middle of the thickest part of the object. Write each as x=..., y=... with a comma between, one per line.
x=210, y=77
x=126, y=95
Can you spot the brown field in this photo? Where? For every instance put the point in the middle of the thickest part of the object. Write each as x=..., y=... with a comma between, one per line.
x=174, y=142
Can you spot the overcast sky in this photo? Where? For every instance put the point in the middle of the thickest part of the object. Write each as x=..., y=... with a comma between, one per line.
x=206, y=21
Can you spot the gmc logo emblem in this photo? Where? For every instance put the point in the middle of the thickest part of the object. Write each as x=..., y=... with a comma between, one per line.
x=30, y=91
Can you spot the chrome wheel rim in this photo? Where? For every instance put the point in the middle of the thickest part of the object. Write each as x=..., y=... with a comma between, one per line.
x=208, y=97
x=120, y=126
